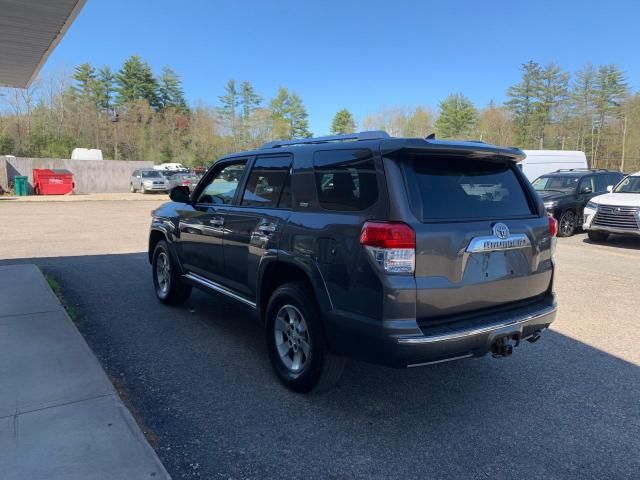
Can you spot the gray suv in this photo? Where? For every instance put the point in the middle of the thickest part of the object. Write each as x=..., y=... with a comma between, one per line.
x=400, y=252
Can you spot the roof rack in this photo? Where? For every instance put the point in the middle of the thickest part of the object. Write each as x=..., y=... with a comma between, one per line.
x=582, y=170
x=371, y=135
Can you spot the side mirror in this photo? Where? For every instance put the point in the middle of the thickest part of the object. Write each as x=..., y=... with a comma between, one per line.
x=586, y=190
x=179, y=194
x=610, y=188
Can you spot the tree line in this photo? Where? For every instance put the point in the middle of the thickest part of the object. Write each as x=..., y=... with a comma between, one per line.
x=133, y=113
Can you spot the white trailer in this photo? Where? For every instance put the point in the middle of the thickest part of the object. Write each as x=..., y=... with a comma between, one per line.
x=539, y=162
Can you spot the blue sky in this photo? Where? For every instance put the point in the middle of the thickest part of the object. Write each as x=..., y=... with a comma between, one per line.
x=362, y=55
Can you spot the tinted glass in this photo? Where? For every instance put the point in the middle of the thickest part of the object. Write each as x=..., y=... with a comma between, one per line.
x=222, y=188
x=267, y=181
x=345, y=179
x=601, y=182
x=463, y=188
x=558, y=183
x=614, y=179
x=587, y=182
x=629, y=185
x=151, y=174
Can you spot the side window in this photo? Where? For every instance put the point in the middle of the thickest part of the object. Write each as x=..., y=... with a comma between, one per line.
x=614, y=179
x=587, y=182
x=345, y=179
x=222, y=187
x=602, y=182
x=269, y=184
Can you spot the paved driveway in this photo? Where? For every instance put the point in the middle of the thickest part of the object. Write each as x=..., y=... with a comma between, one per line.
x=198, y=380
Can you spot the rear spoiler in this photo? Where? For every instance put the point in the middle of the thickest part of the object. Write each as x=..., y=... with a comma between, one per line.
x=450, y=148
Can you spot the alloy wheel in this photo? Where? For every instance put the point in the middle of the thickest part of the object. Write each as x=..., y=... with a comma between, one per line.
x=163, y=272
x=292, y=338
x=567, y=223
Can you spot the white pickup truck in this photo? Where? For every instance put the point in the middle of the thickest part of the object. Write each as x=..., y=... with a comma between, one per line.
x=615, y=212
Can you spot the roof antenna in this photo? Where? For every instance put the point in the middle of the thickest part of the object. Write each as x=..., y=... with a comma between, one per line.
x=431, y=136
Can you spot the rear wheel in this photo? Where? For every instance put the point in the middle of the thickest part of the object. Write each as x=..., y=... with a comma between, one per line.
x=166, y=280
x=596, y=236
x=567, y=224
x=296, y=343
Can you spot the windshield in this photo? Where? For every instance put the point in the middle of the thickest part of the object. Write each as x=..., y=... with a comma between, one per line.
x=556, y=183
x=151, y=174
x=628, y=185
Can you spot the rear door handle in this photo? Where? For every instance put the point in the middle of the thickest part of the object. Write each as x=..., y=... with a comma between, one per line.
x=217, y=221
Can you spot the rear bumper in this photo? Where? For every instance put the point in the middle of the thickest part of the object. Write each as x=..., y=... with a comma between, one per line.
x=400, y=343
x=416, y=350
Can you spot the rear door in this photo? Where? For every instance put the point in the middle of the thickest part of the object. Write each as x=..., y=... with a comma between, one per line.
x=253, y=226
x=480, y=241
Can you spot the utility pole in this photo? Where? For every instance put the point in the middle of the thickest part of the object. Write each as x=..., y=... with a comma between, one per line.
x=115, y=118
x=624, y=143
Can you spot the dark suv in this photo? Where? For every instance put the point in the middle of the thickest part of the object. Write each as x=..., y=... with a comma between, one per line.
x=566, y=192
x=400, y=252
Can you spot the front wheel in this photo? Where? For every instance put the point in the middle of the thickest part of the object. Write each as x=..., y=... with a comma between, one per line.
x=596, y=236
x=296, y=343
x=567, y=224
x=166, y=280
x=132, y=189
x=143, y=190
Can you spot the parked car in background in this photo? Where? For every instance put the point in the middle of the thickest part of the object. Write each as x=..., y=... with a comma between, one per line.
x=171, y=168
x=401, y=252
x=148, y=180
x=189, y=180
x=566, y=192
x=541, y=162
x=615, y=212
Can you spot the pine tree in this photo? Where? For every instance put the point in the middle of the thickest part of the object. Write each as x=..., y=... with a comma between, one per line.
x=552, y=93
x=104, y=88
x=250, y=99
x=522, y=102
x=457, y=117
x=85, y=77
x=289, y=116
x=170, y=92
x=135, y=81
x=583, y=100
x=611, y=89
x=343, y=123
x=228, y=110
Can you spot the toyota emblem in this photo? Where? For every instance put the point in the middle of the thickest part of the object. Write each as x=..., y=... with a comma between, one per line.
x=501, y=231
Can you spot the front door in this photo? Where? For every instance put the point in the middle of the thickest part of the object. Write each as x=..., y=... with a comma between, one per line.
x=202, y=228
x=253, y=227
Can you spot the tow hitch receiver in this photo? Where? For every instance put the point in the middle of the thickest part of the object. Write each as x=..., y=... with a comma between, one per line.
x=503, y=346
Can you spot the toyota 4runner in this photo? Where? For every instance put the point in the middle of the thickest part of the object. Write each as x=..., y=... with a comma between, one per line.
x=400, y=252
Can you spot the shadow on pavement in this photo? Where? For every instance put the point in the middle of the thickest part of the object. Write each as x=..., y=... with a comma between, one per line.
x=199, y=377
x=618, y=241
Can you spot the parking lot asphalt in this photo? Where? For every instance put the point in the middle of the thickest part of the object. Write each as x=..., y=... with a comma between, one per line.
x=198, y=381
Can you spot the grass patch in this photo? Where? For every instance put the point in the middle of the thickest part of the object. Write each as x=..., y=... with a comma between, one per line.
x=57, y=289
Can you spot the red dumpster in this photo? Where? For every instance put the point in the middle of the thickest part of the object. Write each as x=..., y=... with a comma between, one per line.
x=52, y=181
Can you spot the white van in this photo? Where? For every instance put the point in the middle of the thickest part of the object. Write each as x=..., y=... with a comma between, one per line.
x=170, y=167
x=540, y=162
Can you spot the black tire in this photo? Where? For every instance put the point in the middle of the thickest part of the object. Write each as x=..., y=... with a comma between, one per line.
x=143, y=190
x=170, y=290
x=567, y=224
x=320, y=370
x=133, y=189
x=596, y=236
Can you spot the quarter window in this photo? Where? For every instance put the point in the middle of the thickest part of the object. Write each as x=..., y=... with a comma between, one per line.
x=269, y=184
x=345, y=179
x=222, y=188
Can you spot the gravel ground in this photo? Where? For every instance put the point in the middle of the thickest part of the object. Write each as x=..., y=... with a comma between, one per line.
x=199, y=383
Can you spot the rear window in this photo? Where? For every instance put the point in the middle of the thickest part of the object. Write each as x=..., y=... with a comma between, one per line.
x=345, y=179
x=462, y=188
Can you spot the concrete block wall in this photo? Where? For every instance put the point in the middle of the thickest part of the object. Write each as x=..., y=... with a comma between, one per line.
x=90, y=176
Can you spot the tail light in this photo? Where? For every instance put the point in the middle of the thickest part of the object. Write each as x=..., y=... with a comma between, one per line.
x=553, y=226
x=186, y=183
x=392, y=245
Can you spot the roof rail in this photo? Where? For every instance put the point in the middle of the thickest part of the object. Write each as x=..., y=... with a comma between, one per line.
x=372, y=135
x=582, y=170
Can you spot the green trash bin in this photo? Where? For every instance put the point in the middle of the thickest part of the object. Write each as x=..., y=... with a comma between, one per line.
x=21, y=185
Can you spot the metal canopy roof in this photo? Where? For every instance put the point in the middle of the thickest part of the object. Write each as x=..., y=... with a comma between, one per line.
x=29, y=31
